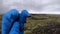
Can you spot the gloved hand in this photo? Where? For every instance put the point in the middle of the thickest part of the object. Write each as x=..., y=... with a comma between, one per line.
x=7, y=20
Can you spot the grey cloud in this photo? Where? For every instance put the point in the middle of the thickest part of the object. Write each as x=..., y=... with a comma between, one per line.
x=1, y=7
x=36, y=5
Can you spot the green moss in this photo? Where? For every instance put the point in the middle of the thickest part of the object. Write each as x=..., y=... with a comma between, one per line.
x=41, y=20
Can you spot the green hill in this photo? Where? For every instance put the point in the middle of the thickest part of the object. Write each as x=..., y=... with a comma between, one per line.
x=38, y=23
x=0, y=22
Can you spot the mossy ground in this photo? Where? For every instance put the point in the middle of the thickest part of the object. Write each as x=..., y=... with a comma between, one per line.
x=37, y=20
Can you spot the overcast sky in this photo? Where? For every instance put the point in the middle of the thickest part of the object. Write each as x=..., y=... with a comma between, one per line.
x=33, y=6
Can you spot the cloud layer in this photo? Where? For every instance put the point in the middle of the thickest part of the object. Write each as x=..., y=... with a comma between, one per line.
x=33, y=5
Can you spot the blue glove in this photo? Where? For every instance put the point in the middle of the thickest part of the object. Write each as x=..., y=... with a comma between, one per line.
x=24, y=14
x=8, y=20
